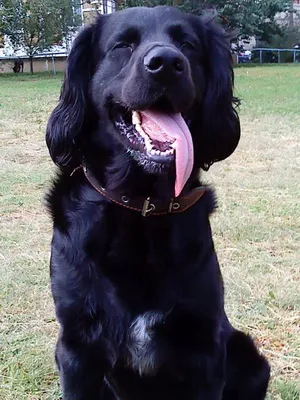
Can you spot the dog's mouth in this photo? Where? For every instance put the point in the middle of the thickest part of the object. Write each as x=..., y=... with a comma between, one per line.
x=146, y=138
x=157, y=140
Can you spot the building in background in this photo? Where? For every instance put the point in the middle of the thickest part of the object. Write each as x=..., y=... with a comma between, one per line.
x=88, y=10
x=285, y=18
x=290, y=18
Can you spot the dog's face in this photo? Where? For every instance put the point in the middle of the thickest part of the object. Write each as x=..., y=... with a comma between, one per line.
x=151, y=59
x=160, y=81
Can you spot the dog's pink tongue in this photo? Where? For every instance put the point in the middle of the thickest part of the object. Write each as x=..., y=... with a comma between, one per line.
x=172, y=128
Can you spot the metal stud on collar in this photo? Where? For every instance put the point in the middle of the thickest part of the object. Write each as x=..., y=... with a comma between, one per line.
x=125, y=199
x=176, y=206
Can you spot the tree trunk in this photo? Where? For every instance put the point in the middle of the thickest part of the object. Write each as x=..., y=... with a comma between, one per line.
x=118, y=4
x=291, y=15
x=31, y=64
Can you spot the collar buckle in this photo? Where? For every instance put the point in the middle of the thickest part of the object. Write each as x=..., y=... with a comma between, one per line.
x=147, y=207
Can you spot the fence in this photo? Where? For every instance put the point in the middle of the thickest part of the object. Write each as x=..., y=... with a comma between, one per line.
x=41, y=62
x=269, y=55
x=56, y=61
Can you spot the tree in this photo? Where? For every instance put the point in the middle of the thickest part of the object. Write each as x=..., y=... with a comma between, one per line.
x=247, y=17
x=252, y=17
x=189, y=5
x=36, y=25
x=289, y=38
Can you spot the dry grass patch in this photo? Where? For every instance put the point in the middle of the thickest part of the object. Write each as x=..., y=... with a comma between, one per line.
x=256, y=229
x=257, y=226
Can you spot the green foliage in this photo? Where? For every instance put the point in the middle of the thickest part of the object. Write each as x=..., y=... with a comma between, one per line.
x=35, y=25
x=145, y=3
x=288, y=38
x=252, y=17
x=248, y=17
x=193, y=6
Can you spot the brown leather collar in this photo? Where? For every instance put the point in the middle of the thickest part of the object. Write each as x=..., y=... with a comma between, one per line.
x=147, y=206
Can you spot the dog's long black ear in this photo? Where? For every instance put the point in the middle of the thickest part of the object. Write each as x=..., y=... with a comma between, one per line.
x=68, y=120
x=220, y=126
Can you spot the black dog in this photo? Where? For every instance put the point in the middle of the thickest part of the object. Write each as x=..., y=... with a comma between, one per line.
x=18, y=66
x=135, y=278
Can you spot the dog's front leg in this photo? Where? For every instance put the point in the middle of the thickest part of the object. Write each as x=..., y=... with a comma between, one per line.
x=82, y=370
x=196, y=354
x=92, y=320
x=203, y=377
x=86, y=351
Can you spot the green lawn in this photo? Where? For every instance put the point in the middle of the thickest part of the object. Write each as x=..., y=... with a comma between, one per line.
x=256, y=229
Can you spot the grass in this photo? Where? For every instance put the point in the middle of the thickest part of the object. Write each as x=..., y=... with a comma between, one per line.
x=256, y=229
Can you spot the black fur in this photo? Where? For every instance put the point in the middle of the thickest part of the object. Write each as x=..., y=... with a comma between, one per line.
x=110, y=265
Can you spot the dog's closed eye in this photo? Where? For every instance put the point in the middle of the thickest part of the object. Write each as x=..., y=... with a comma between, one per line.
x=122, y=46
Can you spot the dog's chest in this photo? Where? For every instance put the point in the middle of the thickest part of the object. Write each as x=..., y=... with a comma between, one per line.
x=142, y=348
x=152, y=269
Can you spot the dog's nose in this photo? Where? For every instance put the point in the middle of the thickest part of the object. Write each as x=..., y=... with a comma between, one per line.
x=164, y=62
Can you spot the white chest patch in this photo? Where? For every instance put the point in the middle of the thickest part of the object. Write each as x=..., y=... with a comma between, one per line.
x=142, y=344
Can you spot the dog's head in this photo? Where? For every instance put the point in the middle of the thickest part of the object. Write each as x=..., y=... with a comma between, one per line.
x=154, y=83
